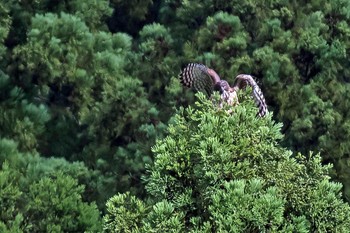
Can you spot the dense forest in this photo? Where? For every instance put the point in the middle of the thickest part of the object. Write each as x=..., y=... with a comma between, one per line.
x=97, y=133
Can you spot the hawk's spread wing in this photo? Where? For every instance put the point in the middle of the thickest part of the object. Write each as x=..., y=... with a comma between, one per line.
x=242, y=81
x=196, y=76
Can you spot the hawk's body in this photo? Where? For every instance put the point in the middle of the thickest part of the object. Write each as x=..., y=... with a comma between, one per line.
x=201, y=78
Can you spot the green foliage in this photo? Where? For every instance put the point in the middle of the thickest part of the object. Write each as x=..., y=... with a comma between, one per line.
x=94, y=13
x=20, y=120
x=222, y=32
x=81, y=96
x=131, y=16
x=157, y=57
x=81, y=73
x=56, y=205
x=10, y=217
x=37, y=194
x=257, y=207
x=221, y=171
x=296, y=50
x=125, y=213
x=135, y=9
x=96, y=107
x=5, y=23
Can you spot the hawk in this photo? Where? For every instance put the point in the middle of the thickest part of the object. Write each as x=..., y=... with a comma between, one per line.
x=201, y=78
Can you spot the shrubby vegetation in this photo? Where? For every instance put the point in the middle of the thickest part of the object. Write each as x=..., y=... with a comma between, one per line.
x=226, y=172
x=43, y=194
x=87, y=88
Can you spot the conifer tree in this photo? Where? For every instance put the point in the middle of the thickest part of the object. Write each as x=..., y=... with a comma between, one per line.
x=298, y=53
x=43, y=195
x=220, y=171
x=130, y=16
x=75, y=86
x=96, y=107
x=5, y=23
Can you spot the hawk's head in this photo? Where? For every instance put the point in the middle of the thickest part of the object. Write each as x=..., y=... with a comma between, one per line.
x=222, y=86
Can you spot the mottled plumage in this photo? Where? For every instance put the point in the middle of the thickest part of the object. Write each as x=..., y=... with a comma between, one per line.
x=242, y=81
x=196, y=76
x=201, y=78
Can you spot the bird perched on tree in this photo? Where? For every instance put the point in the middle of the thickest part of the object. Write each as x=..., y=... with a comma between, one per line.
x=206, y=80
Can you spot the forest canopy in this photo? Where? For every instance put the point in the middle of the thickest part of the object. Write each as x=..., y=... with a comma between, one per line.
x=94, y=120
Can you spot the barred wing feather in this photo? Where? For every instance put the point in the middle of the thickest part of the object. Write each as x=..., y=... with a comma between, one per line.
x=242, y=81
x=196, y=76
